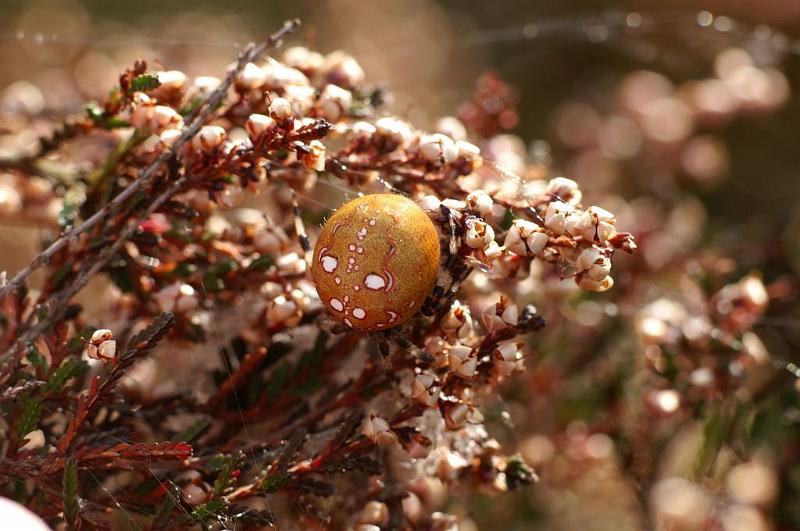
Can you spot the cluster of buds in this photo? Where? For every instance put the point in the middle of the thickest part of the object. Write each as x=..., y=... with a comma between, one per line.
x=102, y=345
x=680, y=333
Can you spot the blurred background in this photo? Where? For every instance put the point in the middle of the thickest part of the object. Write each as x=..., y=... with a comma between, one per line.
x=681, y=120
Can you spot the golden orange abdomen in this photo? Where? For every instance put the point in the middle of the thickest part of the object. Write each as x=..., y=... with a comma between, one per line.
x=376, y=260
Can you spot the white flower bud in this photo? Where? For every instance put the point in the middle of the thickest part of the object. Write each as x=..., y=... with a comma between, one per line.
x=279, y=76
x=164, y=117
x=480, y=201
x=455, y=416
x=590, y=284
x=258, y=124
x=374, y=513
x=517, y=236
x=169, y=136
x=301, y=97
x=438, y=148
x=469, y=151
x=209, y=137
x=479, y=233
x=141, y=113
x=452, y=127
x=281, y=110
x=594, y=263
x=334, y=102
x=252, y=76
x=430, y=203
x=291, y=263
x=172, y=80
x=282, y=310
x=423, y=389
x=341, y=69
x=394, y=130
x=303, y=59
x=556, y=216
x=537, y=242
x=508, y=352
x=102, y=345
x=462, y=361
x=564, y=189
x=377, y=430
x=177, y=297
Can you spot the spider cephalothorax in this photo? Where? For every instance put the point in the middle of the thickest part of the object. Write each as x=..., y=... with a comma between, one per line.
x=376, y=261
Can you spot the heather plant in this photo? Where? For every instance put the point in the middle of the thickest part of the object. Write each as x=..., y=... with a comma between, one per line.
x=314, y=314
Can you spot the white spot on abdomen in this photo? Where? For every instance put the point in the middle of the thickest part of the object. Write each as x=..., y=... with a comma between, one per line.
x=373, y=281
x=359, y=313
x=329, y=264
x=337, y=305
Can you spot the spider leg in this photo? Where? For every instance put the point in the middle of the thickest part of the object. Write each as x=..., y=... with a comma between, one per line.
x=401, y=341
x=299, y=227
x=448, y=277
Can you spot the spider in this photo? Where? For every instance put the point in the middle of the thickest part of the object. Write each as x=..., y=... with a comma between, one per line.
x=381, y=259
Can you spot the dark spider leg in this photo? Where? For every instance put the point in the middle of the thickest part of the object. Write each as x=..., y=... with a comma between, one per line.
x=446, y=278
x=299, y=227
x=401, y=341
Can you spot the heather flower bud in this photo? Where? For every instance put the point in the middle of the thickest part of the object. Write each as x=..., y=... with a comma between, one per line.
x=301, y=97
x=508, y=352
x=458, y=321
x=480, y=201
x=341, y=69
x=282, y=310
x=556, y=216
x=423, y=389
x=291, y=263
x=430, y=203
x=251, y=77
x=516, y=238
x=564, y=189
x=259, y=124
x=334, y=102
x=279, y=76
x=462, y=361
x=455, y=416
x=374, y=513
x=590, y=284
x=303, y=59
x=164, y=117
x=281, y=110
x=394, y=131
x=479, y=233
x=452, y=127
x=377, y=430
x=102, y=345
x=596, y=224
x=593, y=263
x=438, y=148
x=208, y=138
x=171, y=80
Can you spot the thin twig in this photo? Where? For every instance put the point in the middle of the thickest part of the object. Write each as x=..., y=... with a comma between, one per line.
x=250, y=54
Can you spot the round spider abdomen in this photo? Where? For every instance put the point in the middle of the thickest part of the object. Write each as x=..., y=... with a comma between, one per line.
x=375, y=261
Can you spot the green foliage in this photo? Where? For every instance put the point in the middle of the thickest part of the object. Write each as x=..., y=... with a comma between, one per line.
x=70, y=493
x=145, y=83
x=69, y=368
x=30, y=409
